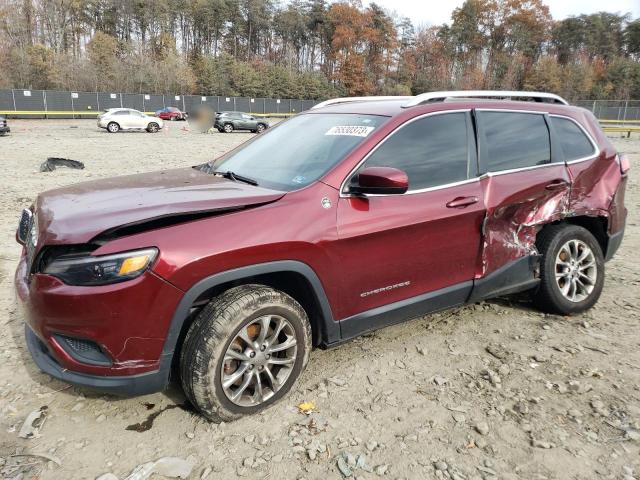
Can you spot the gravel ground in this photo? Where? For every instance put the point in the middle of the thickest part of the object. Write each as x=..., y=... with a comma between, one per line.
x=493, y=390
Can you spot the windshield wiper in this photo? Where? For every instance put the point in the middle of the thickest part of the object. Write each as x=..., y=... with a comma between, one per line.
x=236, y=178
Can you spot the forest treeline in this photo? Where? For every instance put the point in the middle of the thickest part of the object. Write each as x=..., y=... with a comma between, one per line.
x=312, y=48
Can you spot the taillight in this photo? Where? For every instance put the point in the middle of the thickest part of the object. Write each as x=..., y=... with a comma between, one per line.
x=625, y=164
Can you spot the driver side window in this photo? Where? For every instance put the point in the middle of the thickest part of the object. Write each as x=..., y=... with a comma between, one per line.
x=432, y=151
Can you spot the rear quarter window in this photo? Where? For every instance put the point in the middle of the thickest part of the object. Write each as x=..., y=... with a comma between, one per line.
x=514, y=140
x=574, y=142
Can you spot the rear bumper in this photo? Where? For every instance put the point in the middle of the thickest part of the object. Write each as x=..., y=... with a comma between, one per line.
x=129, y=385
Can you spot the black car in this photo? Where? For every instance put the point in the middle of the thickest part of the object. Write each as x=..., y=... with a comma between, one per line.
x=227, y=122
x=4, y=126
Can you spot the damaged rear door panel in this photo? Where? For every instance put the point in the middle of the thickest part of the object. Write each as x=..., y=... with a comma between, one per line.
x=525, y=184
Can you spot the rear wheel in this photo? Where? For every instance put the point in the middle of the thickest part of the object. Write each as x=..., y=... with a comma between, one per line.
x=244, y=351
x=261, y=128
x=572, y=270
x=113, y=127
x=153, y=127
x=228, y=128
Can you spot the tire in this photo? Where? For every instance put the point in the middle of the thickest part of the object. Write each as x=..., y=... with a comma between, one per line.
x=215, y=332
x=556, y=244
x=153, y=127
x=228, y=128
x=113, y=127
x=261, y=128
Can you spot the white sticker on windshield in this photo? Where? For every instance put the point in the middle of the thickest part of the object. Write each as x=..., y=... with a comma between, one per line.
x=351, y=130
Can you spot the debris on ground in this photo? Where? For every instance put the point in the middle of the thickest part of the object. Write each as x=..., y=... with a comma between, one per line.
x=46, y=456
x=33, y=423
x=306, y=407
x=170, y=467
x=52, y=162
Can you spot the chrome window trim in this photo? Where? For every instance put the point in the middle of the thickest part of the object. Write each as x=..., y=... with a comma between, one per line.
x=521, y=169
x=344, y=194
x=595, y=146
x=512, y=110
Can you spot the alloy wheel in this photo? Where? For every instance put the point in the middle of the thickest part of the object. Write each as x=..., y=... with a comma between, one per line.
x=576, y=270
x=259, y=360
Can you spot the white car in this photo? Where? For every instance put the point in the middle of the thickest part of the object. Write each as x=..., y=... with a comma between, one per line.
x=116, y=119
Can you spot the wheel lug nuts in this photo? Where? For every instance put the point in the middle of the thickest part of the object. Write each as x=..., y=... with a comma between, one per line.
x=250, y=367
x=252, y=354
x=263, y=348
x=268, y=355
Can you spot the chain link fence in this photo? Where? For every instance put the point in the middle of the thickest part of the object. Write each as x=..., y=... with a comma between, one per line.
x=55, y=104
x=620, y=111
x=20, y=103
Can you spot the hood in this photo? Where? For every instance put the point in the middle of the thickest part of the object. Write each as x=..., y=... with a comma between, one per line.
x=78, y=213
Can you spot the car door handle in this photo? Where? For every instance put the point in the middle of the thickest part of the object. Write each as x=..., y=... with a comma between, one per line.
x=556, y=184
x=461, y=202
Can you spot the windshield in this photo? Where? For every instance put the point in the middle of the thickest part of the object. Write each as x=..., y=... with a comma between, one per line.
x=298, y=151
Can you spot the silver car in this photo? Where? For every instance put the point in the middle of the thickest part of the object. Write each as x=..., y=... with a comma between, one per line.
x=116, y=119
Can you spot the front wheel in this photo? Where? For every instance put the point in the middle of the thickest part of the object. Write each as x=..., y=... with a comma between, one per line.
x=571, y=272
x=113, y=127
x=244, y=351
x=228, y=128
x=153, y=127
x=260, y=128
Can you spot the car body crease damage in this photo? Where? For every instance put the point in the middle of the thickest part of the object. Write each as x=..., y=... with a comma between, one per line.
x=510, y=229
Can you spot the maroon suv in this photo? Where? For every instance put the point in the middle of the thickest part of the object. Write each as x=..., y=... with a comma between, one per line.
x=360, y=213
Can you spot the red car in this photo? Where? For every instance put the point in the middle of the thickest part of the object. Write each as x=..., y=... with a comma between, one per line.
x=171, y=113
x=377, y=211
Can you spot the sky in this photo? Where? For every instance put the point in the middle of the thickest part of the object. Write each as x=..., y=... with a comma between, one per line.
x=436, y=12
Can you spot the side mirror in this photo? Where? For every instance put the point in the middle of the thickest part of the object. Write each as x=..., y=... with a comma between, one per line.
x=380, y=180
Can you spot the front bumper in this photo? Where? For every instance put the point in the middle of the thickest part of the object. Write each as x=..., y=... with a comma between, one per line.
x=126, y=322
x=129, y=385
x=5, y=129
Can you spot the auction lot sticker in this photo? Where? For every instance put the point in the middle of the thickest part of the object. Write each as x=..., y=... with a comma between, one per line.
x=354, y=131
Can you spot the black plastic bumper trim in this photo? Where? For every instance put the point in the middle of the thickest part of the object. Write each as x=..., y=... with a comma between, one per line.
x=127, y=386
x=615, y=240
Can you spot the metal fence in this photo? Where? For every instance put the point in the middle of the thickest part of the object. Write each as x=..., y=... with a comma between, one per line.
x=619, y=110
x=55, y=104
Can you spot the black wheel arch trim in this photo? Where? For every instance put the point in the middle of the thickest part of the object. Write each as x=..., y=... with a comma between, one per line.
x=329, y=329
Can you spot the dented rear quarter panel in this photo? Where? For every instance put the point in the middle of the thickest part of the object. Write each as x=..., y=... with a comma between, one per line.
x=596, y=181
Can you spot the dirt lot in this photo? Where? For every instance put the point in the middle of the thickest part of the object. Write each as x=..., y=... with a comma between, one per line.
x=494, y=390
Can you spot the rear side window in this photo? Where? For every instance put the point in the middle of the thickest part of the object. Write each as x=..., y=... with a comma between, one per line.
x=573, y=141
x=432, y=151
x=514, y=140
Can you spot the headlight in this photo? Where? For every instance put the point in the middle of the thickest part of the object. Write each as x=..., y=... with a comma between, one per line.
x=74, y=269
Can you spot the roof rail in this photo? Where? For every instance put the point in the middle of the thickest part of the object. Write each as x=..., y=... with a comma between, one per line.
x=334, y=101
x=439, y=96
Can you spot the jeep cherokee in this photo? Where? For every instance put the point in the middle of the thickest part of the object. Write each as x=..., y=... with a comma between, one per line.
x=360, y=213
